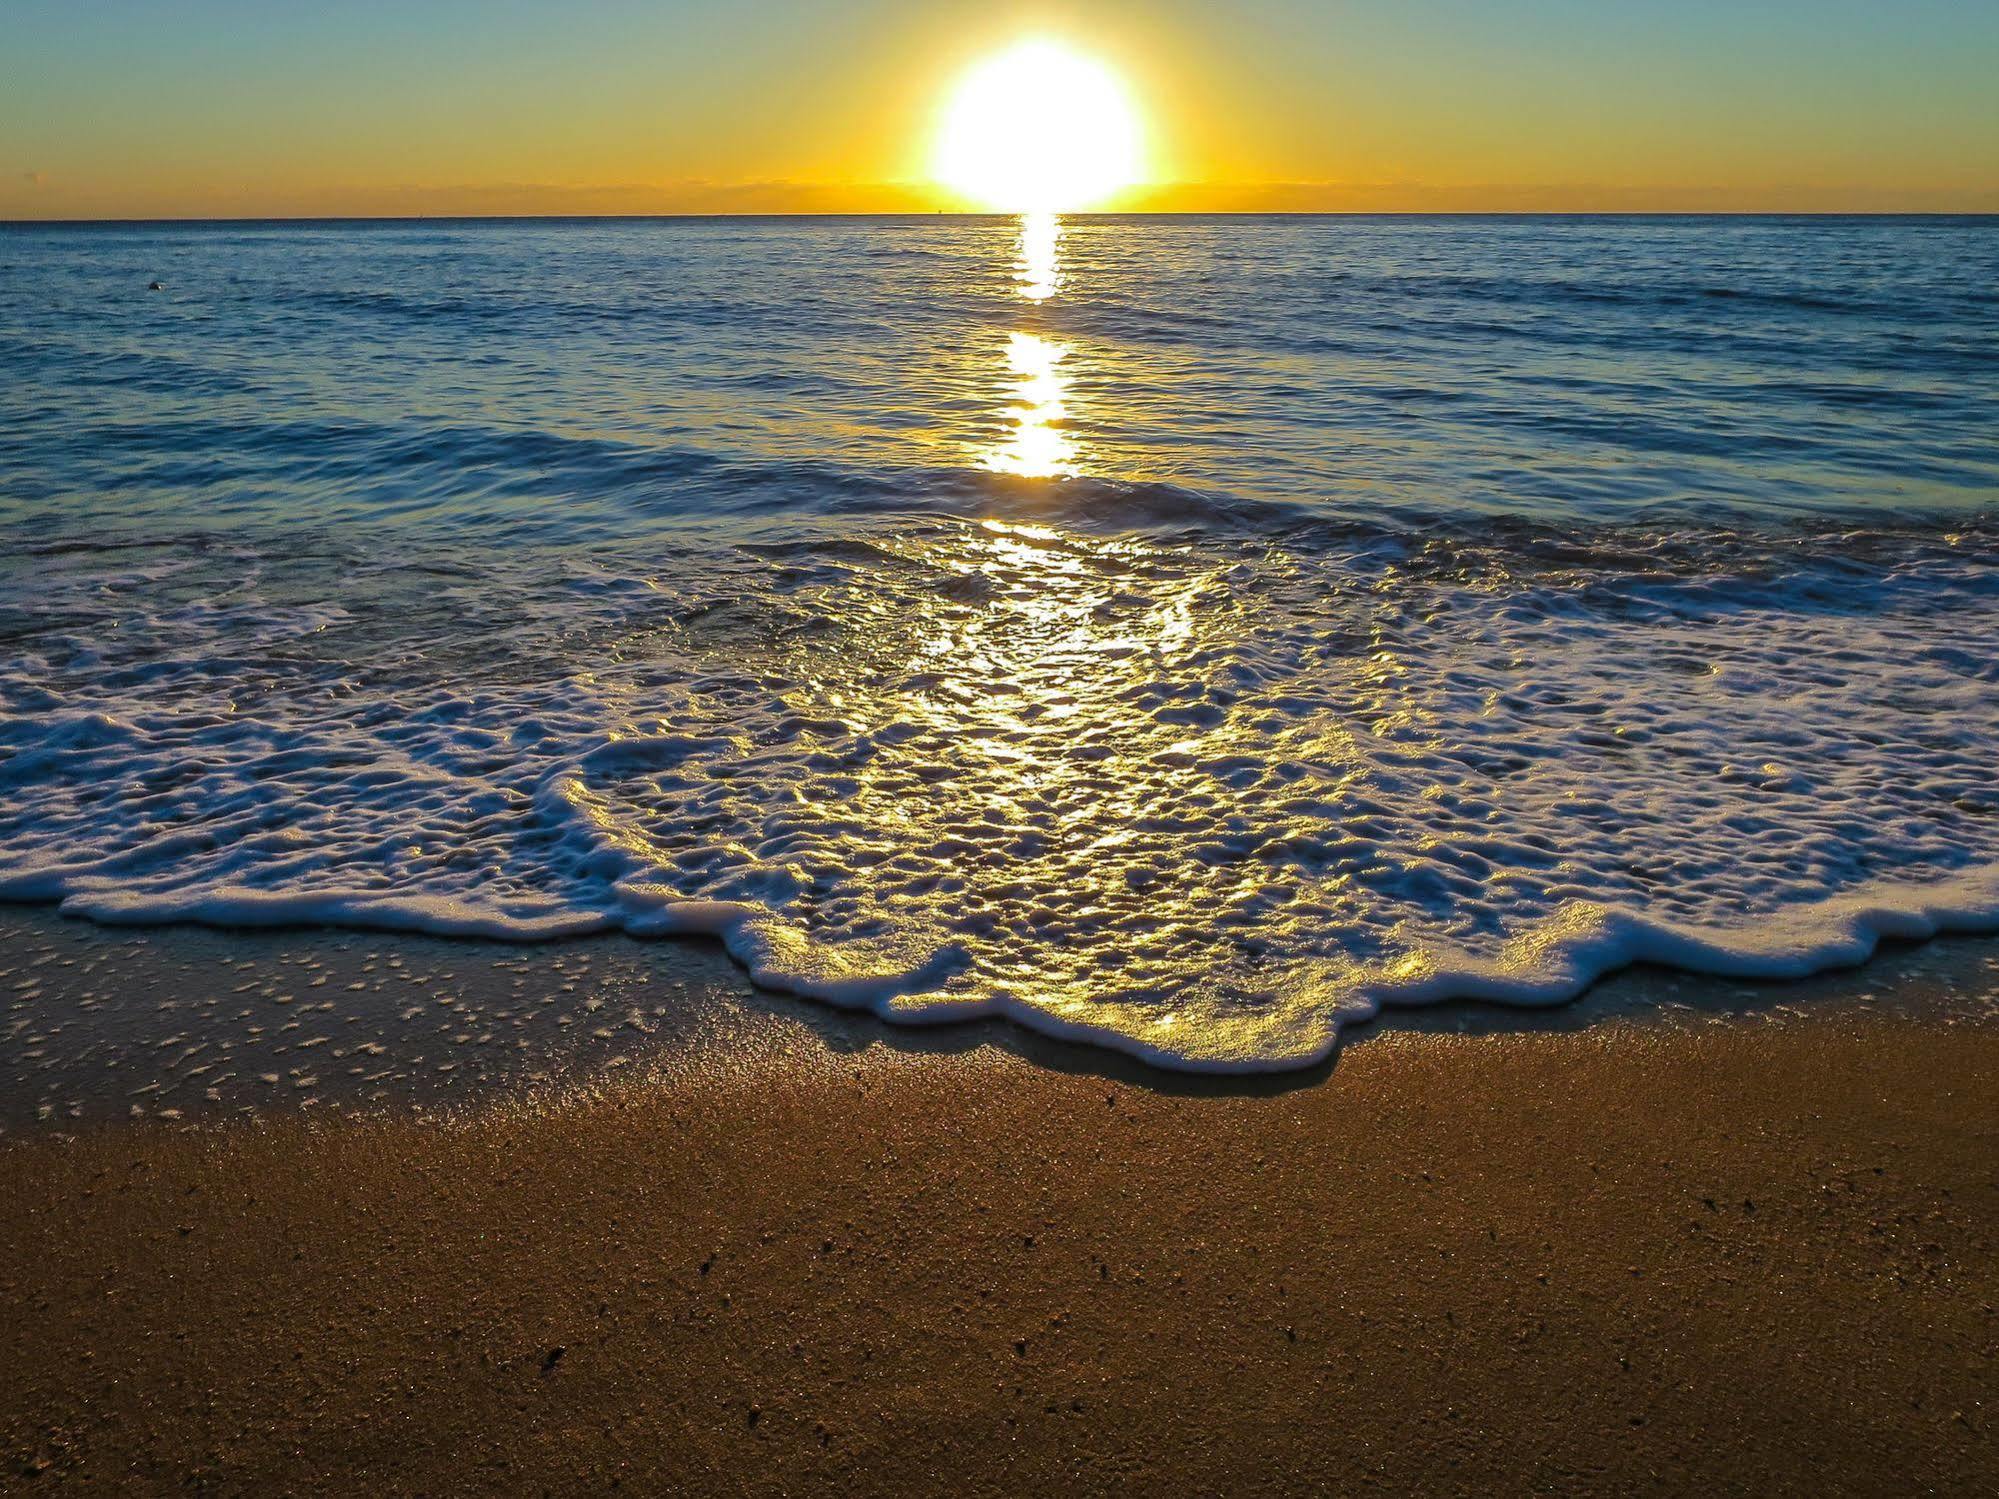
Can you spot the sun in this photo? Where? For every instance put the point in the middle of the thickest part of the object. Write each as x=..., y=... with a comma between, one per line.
x=1039, y=128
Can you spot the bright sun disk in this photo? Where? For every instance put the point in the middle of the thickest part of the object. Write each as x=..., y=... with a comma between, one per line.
x=1038, y=129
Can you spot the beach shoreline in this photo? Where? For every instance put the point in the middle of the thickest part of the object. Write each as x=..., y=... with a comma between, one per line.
x=1751, y=1252
x=191, y=1024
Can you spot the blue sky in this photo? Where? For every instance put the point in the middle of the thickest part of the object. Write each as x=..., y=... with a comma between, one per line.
x=118, y=106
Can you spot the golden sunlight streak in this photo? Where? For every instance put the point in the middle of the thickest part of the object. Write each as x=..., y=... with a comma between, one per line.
x=1039, y=129
x=1039, y=269
x=1038, y=449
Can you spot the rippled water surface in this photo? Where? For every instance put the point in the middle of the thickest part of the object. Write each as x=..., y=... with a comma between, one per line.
x=1186, y=634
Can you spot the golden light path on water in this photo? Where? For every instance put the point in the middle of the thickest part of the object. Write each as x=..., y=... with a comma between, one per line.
x=1043, y=712
x=1039, y=447
x=1052, y=703
x=1039, y=270
x=1039, y=700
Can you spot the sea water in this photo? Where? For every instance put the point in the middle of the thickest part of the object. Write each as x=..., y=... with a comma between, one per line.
x=1184, y=634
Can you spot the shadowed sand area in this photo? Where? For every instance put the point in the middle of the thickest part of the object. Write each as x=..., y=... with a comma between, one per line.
x=1750, y=1251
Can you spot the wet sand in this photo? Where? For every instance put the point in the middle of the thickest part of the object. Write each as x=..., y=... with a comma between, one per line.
x=1752, y=1255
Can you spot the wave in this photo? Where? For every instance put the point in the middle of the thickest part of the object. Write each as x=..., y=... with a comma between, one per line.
x=1201, y=801
x=1441, y=607
x=1579, y=945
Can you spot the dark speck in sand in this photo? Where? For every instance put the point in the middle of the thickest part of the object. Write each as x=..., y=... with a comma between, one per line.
x=552, y=1358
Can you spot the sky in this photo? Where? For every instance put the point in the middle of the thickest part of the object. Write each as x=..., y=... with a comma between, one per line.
x=224, y=108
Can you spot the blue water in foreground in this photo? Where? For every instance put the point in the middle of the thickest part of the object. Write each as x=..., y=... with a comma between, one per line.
x=1184, y=634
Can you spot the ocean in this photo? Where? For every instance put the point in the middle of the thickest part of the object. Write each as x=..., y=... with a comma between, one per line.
x=1187, y=635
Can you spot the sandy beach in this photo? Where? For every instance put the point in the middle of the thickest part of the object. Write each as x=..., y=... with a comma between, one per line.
x=908, y=749
x=1751, y=1253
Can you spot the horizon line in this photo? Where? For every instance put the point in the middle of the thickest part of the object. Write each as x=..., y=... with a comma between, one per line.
x=926, y=214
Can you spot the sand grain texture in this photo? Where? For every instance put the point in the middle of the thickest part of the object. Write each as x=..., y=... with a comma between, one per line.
x=1752, y=1259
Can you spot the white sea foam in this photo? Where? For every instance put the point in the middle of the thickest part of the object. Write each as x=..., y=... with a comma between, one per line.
x=1206, y=802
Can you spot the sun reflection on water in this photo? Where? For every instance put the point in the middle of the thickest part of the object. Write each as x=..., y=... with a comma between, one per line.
x=1039, y=269
x=1048, y=699
x=1038, y=447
